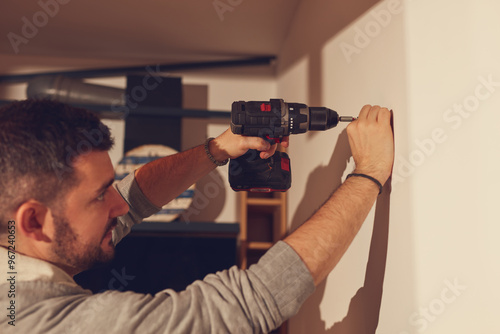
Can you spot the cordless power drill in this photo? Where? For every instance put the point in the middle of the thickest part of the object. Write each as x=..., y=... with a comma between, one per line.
x=273, y=120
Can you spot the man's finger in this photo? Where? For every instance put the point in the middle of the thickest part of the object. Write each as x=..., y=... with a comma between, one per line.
x=384, y=115
x=363, y=114
x=285, y=141
x=373, y=113
x=257, y=143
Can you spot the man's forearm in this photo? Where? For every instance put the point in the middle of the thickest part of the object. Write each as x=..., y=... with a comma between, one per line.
x=164, y=179
x=324, y=238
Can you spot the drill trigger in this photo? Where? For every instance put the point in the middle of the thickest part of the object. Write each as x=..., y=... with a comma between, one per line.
x=273, y=140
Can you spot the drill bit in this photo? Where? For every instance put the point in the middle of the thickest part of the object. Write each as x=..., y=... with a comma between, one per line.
x=346, y=119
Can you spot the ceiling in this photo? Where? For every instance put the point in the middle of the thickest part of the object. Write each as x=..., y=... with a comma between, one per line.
x=137, y=32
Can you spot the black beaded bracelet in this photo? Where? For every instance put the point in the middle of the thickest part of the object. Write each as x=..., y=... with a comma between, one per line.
x=369, y=178
x=211, y=157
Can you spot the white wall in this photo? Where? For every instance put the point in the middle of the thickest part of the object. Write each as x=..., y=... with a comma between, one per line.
x=432, y=264
x=453, y=51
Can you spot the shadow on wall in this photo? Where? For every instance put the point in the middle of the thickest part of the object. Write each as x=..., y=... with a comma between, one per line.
x=329, y=177
x=364, y=309
x=325, y=23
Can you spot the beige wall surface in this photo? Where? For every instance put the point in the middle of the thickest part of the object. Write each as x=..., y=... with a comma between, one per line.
x=454, y=102
x=425, y=260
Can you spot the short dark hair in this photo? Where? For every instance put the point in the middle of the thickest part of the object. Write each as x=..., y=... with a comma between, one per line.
x=39, y=142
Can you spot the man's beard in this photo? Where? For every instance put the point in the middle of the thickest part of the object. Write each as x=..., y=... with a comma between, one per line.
x=76, y=255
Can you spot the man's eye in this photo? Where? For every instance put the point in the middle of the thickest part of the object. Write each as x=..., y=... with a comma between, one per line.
x=101, y=197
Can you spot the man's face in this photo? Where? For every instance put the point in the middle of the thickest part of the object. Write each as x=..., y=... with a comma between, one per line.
x=82, y=236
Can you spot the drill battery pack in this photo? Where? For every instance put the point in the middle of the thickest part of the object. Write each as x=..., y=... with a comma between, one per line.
x=251, y=173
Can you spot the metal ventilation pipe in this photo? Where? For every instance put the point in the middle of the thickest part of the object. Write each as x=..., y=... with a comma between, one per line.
x=73, y=91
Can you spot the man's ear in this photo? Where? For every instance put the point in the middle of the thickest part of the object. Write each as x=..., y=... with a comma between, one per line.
x=32, y=219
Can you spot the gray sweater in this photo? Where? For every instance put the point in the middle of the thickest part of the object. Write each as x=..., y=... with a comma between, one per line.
x=257, y=300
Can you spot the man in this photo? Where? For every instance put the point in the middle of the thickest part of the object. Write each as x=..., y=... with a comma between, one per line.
x=60, y=211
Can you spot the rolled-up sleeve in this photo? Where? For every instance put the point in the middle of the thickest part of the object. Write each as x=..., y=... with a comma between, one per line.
x=139, y=207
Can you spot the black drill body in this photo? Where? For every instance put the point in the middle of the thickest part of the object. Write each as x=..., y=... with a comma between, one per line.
x=276, y=119
x=272, y=120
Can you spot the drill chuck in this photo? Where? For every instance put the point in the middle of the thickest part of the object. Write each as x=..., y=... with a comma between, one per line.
x=321, y=118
